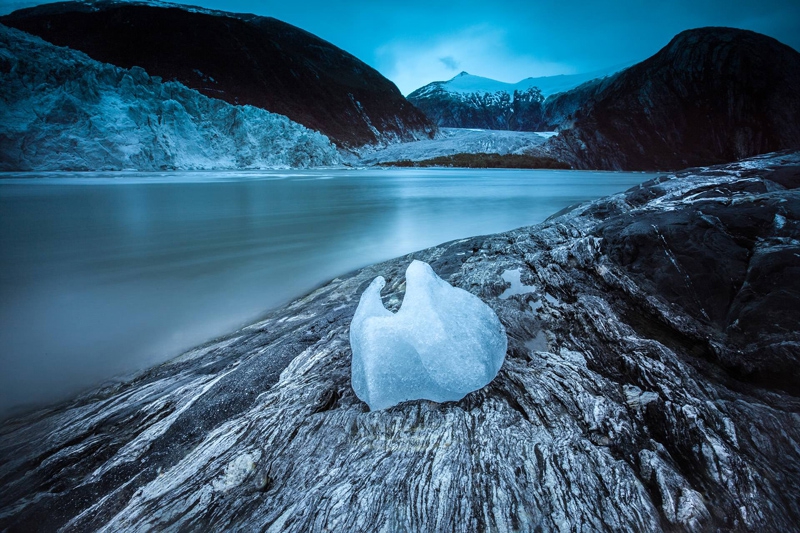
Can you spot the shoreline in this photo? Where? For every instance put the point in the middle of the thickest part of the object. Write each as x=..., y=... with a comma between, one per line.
x=248, y=244
x=611, y=387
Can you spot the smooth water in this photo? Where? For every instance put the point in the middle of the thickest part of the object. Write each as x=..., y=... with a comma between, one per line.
x=103, y=274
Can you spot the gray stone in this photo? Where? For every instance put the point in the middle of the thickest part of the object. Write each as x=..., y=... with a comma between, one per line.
x=631, y=399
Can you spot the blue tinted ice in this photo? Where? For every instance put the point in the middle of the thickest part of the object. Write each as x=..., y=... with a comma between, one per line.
x=442, y=344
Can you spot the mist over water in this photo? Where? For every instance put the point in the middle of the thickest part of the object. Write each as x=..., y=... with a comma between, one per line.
x=104, y=274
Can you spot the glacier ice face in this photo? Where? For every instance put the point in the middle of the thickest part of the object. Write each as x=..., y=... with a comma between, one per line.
x=442, y=344
x=60, y=110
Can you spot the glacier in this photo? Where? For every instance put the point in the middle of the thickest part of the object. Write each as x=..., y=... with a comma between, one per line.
x=442, y=344
x=61, y=110
x=451, y=141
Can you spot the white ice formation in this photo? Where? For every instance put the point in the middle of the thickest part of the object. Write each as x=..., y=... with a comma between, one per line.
x=60, y=110
x=442, y=344
x=452, y=141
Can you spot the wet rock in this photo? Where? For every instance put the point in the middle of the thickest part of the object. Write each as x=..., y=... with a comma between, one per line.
x=648, y=386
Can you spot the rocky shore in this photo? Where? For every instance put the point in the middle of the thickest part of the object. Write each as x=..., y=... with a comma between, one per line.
x=651, y=383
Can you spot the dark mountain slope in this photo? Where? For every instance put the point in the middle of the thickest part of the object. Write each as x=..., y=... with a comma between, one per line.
x=559, y=109
x=711, y=95
x=242, y=59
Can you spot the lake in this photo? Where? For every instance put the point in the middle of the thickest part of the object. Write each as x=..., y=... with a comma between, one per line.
x=105, y=274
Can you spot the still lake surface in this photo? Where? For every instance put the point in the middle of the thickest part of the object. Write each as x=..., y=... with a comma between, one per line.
x=104, y=274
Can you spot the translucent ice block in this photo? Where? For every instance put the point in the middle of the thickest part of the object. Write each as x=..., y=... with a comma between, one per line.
x=443, y=343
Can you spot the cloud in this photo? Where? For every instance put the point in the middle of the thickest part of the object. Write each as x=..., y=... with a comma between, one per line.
x=449, y=62
x=480, y=50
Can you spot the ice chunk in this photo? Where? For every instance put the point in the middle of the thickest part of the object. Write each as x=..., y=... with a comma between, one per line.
x=442, y=344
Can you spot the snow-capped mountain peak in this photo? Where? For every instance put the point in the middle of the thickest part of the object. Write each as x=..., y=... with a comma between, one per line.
x=464, y=82
x=469, y=101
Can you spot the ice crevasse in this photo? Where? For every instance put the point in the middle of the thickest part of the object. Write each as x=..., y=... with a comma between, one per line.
x=442, y=344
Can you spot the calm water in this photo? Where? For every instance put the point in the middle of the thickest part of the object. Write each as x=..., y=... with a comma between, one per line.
x=103, y=274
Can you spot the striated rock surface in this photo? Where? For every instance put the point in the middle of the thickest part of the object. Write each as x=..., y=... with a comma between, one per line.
x=711, y=95
x=649, y=385
x=238, y=58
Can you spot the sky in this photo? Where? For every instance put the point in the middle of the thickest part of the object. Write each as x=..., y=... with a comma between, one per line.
x=415, y=42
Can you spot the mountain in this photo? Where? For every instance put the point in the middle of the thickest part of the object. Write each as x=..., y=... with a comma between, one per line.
x=516, y=111
x=61, y=110
x=632, y=397
x=468, y=101
x=241, y=59
x=560, y=109
x=711, y=95
x=466, y=83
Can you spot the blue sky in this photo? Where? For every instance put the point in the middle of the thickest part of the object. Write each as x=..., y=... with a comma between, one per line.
x=414, y=42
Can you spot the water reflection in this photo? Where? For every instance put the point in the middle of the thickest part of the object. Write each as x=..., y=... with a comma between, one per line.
x=107, y=273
